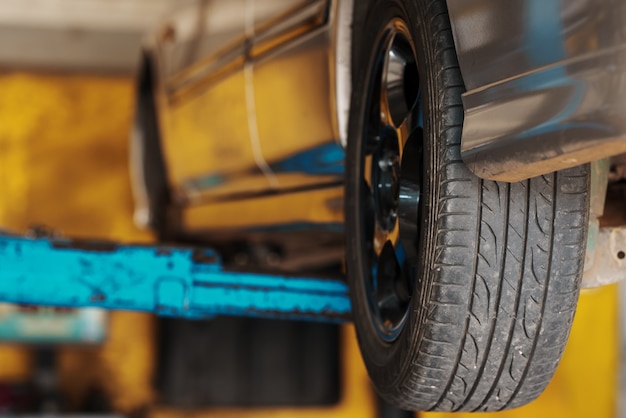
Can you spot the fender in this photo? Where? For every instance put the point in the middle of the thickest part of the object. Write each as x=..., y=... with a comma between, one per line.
x=545, y=84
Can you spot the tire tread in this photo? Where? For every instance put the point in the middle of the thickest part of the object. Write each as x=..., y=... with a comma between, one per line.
x=502, y=269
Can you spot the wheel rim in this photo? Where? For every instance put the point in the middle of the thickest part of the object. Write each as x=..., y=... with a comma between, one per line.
x=391, y=177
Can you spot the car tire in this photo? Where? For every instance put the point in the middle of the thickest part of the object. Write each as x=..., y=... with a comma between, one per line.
x=463, y=290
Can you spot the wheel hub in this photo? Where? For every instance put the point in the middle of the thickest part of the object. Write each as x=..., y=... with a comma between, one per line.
x=392, y=166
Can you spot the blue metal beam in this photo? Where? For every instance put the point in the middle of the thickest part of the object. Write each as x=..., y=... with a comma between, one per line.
x=165, y=280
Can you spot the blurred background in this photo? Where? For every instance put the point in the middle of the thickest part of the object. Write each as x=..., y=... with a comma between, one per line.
x=67, y=98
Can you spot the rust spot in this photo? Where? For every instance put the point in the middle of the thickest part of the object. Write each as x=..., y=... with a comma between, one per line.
x=41, y=231
x=91, y=246
x=204, y=257
x=97, y=297
x=166, y=309
x=163, y=251
x=168, y=34
x=29, y=309
x=62, y=311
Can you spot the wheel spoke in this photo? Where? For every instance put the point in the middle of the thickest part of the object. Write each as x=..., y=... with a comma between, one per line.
x=375, y=126
x=393, y=293
x=369, y=216
x=388, y=270
x=391, y=176
x=410, y=195
x=403, y=280
x=403, y=132
x=418, y=111
x=400, y=82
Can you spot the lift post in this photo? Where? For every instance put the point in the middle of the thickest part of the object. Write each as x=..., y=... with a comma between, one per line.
x=169, y=281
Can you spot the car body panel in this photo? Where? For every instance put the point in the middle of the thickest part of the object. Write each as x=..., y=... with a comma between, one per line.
x=253, y=100
x=545, y=83
x=292, y=128
x=321, y=208
x=230, y=89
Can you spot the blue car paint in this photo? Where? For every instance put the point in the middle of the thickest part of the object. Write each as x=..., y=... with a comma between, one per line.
x=327, y=159
x=323, y=160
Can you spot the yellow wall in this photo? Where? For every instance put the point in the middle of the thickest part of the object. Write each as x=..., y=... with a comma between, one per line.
x=63, y=147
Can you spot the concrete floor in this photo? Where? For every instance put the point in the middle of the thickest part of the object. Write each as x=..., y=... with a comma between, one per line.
x=63, y=145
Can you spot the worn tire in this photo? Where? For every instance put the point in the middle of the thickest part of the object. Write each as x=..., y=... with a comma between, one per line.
x=499, y=264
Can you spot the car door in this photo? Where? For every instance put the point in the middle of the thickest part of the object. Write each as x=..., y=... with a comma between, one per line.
x=292, y=70
x=233, y=103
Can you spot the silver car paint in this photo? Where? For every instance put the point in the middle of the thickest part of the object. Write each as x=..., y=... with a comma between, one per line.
x=545, y=83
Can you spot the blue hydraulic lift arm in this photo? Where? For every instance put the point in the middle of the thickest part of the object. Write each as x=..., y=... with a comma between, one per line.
x=168, y=281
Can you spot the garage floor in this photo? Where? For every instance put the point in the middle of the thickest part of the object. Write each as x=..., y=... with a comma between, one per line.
x=63, y=145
